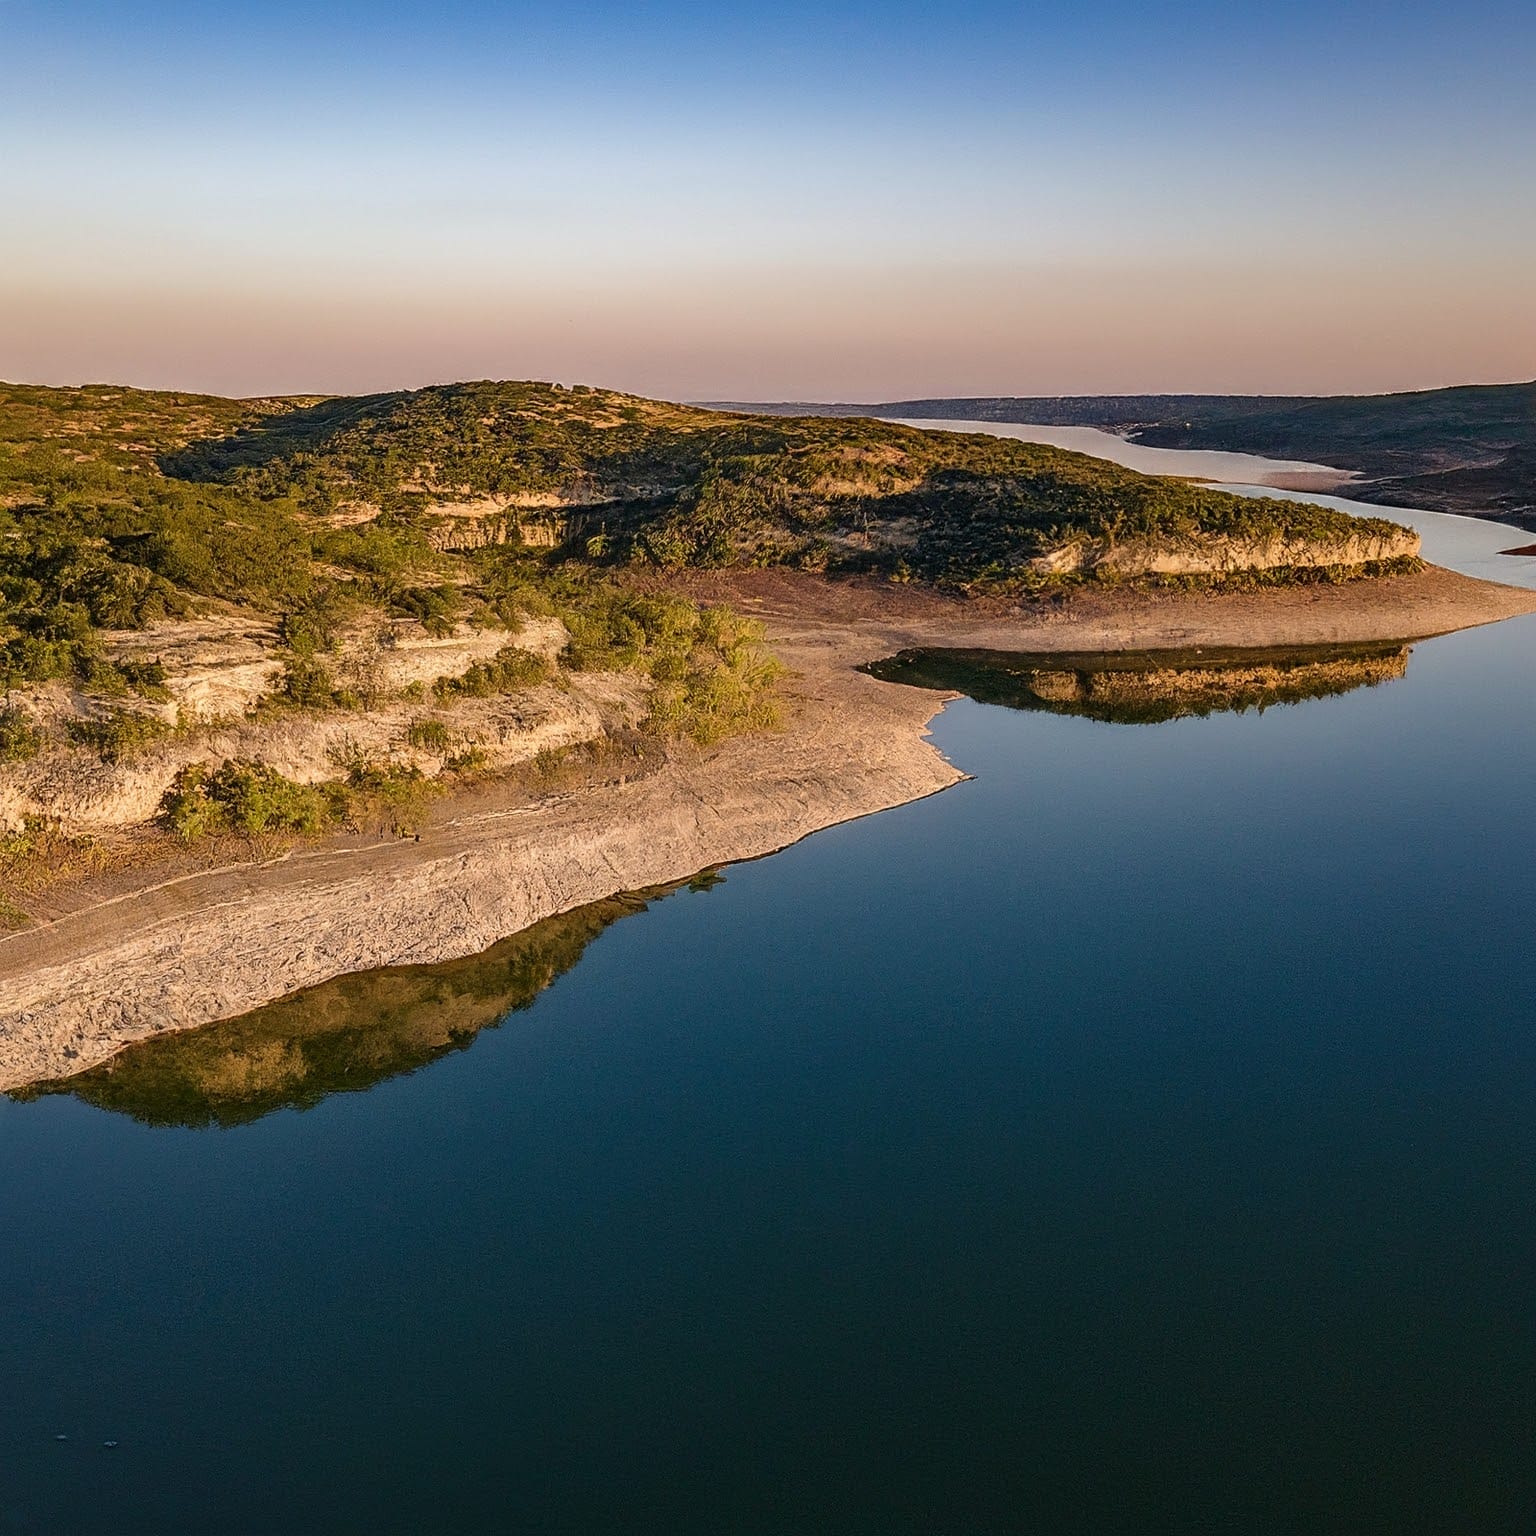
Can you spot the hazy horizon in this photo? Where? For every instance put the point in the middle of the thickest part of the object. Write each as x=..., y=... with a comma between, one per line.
x=785, y=203
x=172, y=387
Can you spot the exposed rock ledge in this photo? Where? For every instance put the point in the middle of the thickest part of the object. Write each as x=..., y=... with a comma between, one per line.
x=1222, y=555
x=217, y=944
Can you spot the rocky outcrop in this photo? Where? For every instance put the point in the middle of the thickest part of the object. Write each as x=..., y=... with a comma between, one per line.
x=213, y=666
x=1223, y=555
x=533, y=521
x=78, y=791
x=216, y=666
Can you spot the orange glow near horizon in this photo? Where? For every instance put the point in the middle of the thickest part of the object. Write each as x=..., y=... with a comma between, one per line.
x=802, y=335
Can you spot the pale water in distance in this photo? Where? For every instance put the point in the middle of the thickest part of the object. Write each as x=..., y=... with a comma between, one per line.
x=1191, y=463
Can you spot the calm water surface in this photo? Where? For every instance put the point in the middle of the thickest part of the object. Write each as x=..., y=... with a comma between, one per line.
x=1140, y=1136
x=1199, y=463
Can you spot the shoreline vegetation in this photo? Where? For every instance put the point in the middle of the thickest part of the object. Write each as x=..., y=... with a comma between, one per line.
x=124, y=960
x=380, y=682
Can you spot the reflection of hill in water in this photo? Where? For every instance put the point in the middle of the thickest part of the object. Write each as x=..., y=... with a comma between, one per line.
x=1145, y=687
x=342, y=1036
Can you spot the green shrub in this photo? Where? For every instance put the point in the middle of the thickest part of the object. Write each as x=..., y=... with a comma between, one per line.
x=118, y=735
x=721, y=683
x=612, y=629
x=467, y=762
x=396, y=793
x=384, y=552
x=429, y=736
x=242, y=796
x=438, y=609
x=145, y=678
x=306, y=683
x=316, y=624
x=187, y=808
x=508, y=671
x=19, y=738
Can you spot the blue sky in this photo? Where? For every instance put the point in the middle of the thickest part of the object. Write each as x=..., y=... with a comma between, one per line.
x=794, y=200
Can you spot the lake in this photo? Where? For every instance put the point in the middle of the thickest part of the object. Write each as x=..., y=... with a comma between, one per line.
x=1194, y=463
x=1138, y=1136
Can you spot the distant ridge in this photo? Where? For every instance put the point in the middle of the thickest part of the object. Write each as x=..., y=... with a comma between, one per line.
x=1037, y=410
x=1468, y=448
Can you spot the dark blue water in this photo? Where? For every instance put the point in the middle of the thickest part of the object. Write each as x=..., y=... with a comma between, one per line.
x=1140, y=1137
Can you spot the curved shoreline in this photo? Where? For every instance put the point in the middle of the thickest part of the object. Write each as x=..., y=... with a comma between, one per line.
x=216, y=944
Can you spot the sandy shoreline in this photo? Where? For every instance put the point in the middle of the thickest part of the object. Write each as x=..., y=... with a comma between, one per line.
x=218, y=943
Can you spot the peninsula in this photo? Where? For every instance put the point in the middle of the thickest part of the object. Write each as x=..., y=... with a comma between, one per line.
x=298, y=687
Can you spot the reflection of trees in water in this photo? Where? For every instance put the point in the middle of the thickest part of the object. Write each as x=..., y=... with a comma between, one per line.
x=1147, y=687
x=349, y=1033
x=344, y=1035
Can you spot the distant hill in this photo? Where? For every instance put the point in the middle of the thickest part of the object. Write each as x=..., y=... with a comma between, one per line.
x=1469, y=449
x=678, y=486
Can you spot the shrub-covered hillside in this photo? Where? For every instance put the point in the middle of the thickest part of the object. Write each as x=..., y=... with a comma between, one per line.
x=681, y=486
x=277, y=617
x=233, y=658
x=120, y=508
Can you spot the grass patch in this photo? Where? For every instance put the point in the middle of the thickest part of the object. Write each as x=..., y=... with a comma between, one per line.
x=429, y=735
x=39, y=853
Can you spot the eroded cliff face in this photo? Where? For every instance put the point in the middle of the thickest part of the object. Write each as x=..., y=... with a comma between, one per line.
x=862, y=513
x=534, y=522
x=78, y=791
x=1219, y=555
x=218, y=670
